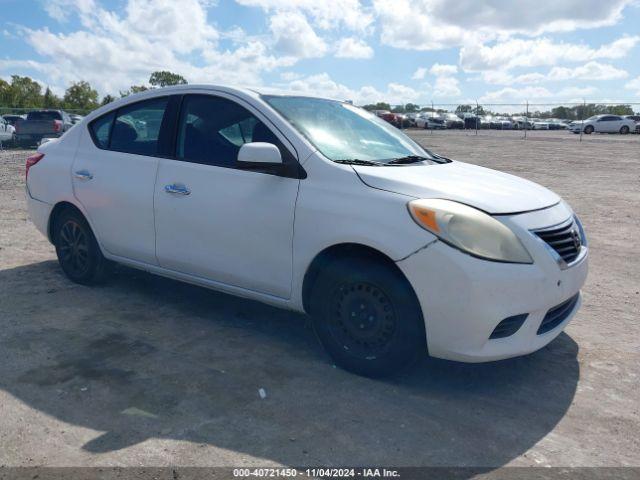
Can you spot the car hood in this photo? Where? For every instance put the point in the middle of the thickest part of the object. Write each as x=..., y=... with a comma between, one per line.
x=489, y=190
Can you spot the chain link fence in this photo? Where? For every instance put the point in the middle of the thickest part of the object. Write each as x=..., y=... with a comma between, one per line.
x=501, y=120
x=527, y=120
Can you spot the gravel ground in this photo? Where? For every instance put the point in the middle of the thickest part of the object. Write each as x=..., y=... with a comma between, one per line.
x=148, y=371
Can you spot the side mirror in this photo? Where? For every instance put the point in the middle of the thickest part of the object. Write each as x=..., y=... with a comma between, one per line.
x=260, y=153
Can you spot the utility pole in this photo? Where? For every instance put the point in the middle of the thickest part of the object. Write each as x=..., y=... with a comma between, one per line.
x=584, y=107
x=526, y=120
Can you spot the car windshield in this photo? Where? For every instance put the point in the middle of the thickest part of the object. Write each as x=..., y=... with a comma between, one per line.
x=343, y=132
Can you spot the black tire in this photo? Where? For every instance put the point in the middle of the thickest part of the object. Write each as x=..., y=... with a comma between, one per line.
x=624, y=130
x=77, y=249
x=588, y=129
x=367, y=317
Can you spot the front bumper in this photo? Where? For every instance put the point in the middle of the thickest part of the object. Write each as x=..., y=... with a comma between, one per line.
x=464, y=298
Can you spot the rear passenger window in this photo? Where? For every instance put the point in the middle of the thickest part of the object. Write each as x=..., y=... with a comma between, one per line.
x=100, y=130
x=137, y=127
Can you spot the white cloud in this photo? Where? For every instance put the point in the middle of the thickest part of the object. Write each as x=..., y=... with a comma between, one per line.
x=535, y=94
x=323, y=85
x=420, y=73
x=440, y=70
x=447, y=87
x=353, y=48
x=437, y=24
x=634, y=85
x=588, y=71
x=113, y=51
x=350, y=14
x=514, y=53
x=294, y=36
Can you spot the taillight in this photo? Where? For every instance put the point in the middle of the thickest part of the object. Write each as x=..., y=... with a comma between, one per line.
x=57, y=126
x=31, y=161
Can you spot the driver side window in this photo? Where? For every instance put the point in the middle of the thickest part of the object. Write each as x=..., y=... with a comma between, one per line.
x=211, y=131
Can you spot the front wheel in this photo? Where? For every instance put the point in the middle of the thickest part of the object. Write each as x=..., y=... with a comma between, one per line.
x=588, y=129
x=77, y=249
x=367, y=317
x=624, y=130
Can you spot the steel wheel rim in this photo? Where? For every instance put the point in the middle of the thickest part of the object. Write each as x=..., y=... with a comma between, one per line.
x=74, y=248
x=362, y=319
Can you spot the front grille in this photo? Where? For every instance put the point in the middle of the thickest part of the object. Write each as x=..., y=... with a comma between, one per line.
x=508, y=326
x=558, y=314
x=564, y=239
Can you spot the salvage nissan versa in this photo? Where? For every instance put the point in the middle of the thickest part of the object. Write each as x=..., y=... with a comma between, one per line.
x=317, y=206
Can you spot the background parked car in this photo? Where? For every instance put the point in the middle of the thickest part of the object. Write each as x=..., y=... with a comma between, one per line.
x=12, y=119
x=76, y=118
x=501, y=123
x=411, y=119
x=521, y=123
x=385, y=115
x=635, y=118
x=541, y=125
x=604, y=124
x=429, y=121
x=41, y=124
x=451, y=120
x=471, y=121
x=7, y=131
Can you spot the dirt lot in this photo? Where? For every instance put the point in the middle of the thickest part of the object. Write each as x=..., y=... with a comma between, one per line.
x=147, y=371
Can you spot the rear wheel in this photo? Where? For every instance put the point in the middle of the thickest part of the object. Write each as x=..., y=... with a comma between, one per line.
x=367, y=317
x=624, y=130
x=588, y=129
x=77, y=249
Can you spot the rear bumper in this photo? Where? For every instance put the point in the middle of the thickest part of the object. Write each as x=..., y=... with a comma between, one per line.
x=464, y=298
x=39, y=213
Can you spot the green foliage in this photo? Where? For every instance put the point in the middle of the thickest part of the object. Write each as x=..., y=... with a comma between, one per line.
x=80, y=95
x=411, y=107
x=50, y=99
x=21, y=92
x=107, y=99
x=165, y=79
x=377, y=106
x=133, y=89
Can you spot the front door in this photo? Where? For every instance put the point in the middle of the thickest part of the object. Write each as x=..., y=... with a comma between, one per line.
x=215, y=220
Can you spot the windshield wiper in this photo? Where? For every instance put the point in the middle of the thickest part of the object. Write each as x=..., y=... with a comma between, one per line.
x=407, y=160
x=356, y=161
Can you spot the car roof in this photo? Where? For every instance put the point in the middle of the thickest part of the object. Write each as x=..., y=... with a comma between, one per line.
x=242, y=92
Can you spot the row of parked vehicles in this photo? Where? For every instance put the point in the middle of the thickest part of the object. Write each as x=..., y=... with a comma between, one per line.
x=30, y=129
x=446, y=120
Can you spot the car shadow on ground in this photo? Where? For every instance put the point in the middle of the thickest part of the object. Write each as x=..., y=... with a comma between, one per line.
x=144, y=357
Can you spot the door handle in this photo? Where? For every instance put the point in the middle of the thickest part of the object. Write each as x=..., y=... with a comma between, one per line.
x=83, y=175
x=177, y=189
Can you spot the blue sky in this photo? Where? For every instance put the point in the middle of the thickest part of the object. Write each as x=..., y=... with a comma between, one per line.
x=496, y=51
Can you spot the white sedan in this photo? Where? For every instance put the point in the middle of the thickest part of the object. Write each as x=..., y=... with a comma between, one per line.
x=317, y=206
x=7, y=131
x=604, y=124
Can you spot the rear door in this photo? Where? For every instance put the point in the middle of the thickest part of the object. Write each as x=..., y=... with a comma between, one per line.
x=114, y=176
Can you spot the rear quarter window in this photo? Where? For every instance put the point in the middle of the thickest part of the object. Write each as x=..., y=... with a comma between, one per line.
x=100, y=130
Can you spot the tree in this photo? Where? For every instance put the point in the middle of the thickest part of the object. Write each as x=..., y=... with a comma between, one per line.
x=80, y=96
x=377, y=106
x=165, y=79
x=107, y=99
x=24, y=92
x=133, y=89
x=50, y=99
x=411, y=107
x=463, y=109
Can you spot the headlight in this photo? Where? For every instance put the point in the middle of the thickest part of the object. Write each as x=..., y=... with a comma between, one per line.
x=469, y=230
